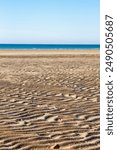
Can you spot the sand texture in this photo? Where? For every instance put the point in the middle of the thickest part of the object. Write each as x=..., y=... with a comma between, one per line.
x=49, y=100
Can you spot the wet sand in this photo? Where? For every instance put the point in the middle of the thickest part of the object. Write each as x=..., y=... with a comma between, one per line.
x=49, y=100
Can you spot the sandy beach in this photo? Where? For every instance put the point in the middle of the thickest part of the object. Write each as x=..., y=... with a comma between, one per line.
x=49, y=100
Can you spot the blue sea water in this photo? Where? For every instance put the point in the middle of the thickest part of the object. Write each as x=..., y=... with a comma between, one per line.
x=48, y=46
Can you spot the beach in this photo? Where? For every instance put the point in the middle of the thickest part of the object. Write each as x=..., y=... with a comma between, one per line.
x=49, y=99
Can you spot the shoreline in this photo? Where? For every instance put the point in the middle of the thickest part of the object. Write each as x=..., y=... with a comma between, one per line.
x=48, y=52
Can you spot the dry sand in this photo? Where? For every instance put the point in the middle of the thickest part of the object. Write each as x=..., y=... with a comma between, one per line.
x=49, y=100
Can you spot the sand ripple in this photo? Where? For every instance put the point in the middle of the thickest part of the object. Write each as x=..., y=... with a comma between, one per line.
x=49, y=103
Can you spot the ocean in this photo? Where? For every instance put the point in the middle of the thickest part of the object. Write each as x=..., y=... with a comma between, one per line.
x=48, y=46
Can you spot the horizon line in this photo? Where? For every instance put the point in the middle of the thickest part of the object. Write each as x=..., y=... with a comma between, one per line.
x=46, y=44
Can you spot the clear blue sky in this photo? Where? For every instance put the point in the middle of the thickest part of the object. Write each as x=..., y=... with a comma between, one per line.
x=50, y=21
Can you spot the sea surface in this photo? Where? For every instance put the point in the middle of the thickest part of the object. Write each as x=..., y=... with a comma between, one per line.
x=48, y=46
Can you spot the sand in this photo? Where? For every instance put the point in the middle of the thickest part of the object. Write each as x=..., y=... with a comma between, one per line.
x=49, y=100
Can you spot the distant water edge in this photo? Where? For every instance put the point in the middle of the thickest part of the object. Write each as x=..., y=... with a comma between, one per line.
x=48, y=46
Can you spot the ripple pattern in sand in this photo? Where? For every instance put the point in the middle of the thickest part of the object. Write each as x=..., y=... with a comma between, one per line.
x=49, y=103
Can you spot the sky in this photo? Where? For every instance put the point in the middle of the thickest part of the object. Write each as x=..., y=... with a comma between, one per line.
x=50, y=21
